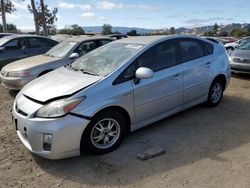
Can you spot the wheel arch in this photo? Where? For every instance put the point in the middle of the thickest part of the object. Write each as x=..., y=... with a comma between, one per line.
x=223, y=80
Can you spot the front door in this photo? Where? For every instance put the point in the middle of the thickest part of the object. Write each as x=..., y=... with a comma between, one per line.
x=163, y=92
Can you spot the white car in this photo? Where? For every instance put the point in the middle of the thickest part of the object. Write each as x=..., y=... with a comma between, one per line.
x=232, y=45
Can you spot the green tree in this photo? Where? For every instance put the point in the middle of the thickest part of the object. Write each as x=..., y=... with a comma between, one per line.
x=172, y=30
x=106, y=29
x=9, y=7
x=72, y=30
x=239, y=32
x=10, y=27
x=215, y=28
x=132, y=33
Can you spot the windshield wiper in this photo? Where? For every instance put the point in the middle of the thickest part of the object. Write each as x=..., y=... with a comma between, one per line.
x=85, y=71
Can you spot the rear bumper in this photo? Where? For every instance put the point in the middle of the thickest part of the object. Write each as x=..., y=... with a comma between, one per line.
x=66, y=131
x=15, y=83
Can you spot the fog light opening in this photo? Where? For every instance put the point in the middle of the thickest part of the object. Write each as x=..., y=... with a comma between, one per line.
x=47, y=142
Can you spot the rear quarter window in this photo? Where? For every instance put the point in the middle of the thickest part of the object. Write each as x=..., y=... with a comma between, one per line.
x=209, y=48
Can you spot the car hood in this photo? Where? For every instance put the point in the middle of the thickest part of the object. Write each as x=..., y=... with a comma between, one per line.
x=58, y=83
x=29, y=62
x=241, y=53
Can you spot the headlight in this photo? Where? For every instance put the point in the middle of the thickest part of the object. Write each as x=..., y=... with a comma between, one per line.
x=58, y=108
x=19, y=74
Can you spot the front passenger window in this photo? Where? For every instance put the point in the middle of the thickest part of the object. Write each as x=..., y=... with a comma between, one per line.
x=160, y=56
x=16, y=44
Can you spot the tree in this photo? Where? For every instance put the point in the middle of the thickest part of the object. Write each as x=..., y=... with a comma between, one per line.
x=6, y=7
x=45, y=29
x=172, y=30
x=34, y=11
x=50, y=17
x=106, y=29
x=216, y=28
x=239, y=32
x=10, y=27
x=132, y=33
x=223, y=34
x=72, y=30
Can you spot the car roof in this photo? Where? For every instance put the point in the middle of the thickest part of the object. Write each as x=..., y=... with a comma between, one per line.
x=85, y=38
x=23, y=35
x=146, y=40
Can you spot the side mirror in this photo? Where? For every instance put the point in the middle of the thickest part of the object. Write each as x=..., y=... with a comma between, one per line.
x=74, y=55
x=144, y=73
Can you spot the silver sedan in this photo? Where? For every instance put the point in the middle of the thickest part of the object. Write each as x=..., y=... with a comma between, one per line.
x=91, y=104
x=17, y=74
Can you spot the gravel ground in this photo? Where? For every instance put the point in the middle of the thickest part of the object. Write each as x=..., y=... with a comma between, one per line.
x=205, y=147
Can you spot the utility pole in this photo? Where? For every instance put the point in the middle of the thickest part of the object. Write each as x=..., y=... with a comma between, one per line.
x=4, y=17
x=35, y=16
x=45, y=30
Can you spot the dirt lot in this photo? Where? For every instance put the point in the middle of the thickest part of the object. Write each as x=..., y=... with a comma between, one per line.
x=204, y=148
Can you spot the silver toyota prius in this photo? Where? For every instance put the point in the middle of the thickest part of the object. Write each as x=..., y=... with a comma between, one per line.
x=92, y=103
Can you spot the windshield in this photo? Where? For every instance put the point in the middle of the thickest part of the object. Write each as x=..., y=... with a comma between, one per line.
x=245, y=46
x=61, y=49
x=107, y=58
x=3, y=40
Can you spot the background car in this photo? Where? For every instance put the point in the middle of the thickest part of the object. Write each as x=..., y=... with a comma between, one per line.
x=240, y=58
x=232, y=45
x=16, y=74
x=93, y=102
x=5, y=34
x=16, y=47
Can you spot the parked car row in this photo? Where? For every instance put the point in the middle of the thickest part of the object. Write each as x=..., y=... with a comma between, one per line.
x=17, y=74
x=101, y=94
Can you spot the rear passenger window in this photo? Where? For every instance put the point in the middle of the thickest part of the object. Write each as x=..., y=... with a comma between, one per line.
x=160, y=56
x=103, y=42
x=190, y=49
x=45, y=43
x=34, y=43
x=209, y=48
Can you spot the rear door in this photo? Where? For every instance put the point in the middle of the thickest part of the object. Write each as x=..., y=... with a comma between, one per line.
x=37, y=46
x=197, y=69
x=163, y=92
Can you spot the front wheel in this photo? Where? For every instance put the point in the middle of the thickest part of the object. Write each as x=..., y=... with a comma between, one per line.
x=104, y=133
x=215, y=93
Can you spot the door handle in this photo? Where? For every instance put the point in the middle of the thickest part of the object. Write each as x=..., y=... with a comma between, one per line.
x=176, y=76
x=208, y=64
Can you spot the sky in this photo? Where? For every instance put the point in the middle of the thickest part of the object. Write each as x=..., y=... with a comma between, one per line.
x=151, y=14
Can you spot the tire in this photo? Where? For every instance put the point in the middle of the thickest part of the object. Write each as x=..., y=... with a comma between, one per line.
x=230, y=50
x=98, y=131
x=215, y=93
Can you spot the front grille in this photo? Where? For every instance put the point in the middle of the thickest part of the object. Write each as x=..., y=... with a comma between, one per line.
x=241, y=60
x=20, y=111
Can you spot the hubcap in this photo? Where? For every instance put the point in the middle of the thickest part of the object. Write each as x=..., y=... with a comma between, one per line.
x=105, y=133
x=216, y=93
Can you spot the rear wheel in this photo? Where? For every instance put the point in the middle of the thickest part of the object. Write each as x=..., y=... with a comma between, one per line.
x=230, y=50
x=215, y=93
x=104, y=133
